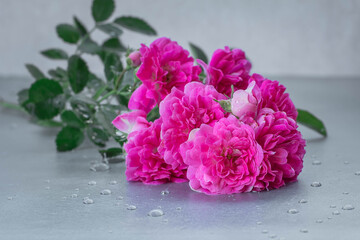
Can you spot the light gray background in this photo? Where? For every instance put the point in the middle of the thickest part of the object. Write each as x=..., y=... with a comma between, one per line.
x=317, y=38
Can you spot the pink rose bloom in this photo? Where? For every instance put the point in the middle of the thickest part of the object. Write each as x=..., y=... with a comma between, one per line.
x=274, y=97
x=283, y=147
x=245, y=102
x=182, y=112
x=164, y=65
x=223, y=159
x=226, y=68
x=142, y=99
x=143, y=161
x=135, y=58
x=132, y=121
x=257, y=78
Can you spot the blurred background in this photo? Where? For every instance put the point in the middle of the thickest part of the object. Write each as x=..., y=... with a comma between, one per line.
x=282, y=38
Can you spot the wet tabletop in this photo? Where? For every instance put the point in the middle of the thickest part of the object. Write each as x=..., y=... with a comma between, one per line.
x=42, y=191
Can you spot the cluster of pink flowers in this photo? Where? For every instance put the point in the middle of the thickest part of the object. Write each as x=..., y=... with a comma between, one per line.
x=236, y=132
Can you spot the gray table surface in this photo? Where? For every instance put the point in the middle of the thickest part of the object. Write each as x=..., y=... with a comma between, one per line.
x=36, y=184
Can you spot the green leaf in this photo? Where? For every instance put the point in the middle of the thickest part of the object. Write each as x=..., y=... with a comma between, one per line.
x=124, y=95
x=153, y=114
x=23, y=96
x=95, y=83
x=102, y=9
x=78, y=73
x=71, y=119
x=55, y=53
x=112, y=66
x=111, y=152
x=309, y=120
x=114, y=44
x=135, y=24
x=46, y=99
x=44, y=89
x=69, y=138
x=68, y=33
x=59, y=74
x=104, y=117
x=84, y=106
x=89, y=46
x=97, y=136
x=49, y=108
x=80, y=26
x=34, y=71
x=111, y=29
x=198, y=53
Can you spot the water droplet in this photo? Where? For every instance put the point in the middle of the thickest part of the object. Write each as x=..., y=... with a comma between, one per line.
x=315, y=184
x=329, y=218
x=332, y=206
x=293, y=211
x=345, y=193
x=131, y=207
x=99, y=167
x=105, y=192
x=165, y=192
x=348, y=207
x=165, y=220
x=304, y=230
x=10, y=198
x=272, y=236
x=87, y=200
x=92, y=183
x=303, y=201
x=64, y=198
x=357, y=173
x=47, y=188
x=264, y=231
x=336, y=212
x=156, y=213
x=259, y=223
x=120, y=198
x=316, y=162
x=47, y=181
x=77, y=189
x=346, y=162
x=319, y=221
x=113, y=182
x=74, y=195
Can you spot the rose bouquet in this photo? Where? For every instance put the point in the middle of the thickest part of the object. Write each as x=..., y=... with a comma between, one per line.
x=232, y=132
x=212, y=123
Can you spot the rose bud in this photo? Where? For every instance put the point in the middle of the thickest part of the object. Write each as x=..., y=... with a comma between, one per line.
x=244, y=102
x=135, y=58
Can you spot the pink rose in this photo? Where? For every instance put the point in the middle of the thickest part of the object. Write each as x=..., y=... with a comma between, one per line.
x=274, y=97
x=143, y=161
x=226, y=68
x=223, y=159
x=142, y=99
x=244, y=102
x=164, y=65
x=283, y=148
x=135, y=58
x=182, y=112
x=132, y=121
